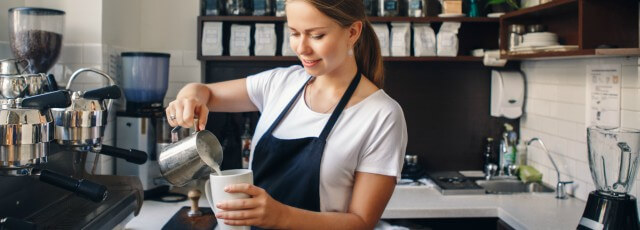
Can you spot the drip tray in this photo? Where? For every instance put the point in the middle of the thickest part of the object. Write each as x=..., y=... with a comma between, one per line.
x=454, y=183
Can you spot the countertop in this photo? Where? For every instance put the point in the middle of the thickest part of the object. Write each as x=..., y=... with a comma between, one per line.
x=520, y=211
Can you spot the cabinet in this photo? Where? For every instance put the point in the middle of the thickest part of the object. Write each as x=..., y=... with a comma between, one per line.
x=591, y=25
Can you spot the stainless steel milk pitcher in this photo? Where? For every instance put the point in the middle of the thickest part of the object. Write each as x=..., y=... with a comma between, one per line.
x=190, y=158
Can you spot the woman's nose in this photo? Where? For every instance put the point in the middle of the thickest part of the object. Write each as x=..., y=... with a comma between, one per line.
x=303, y=46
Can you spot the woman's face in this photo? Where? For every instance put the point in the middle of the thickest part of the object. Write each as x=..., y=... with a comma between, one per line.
x=320, y=43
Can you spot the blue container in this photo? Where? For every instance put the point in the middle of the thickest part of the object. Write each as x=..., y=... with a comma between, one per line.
x=145, y=75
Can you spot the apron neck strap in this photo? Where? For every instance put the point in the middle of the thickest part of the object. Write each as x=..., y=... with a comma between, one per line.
x=340, y=107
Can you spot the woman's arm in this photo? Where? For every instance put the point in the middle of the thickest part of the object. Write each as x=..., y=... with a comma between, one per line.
x=371, y=192
x=197, y=98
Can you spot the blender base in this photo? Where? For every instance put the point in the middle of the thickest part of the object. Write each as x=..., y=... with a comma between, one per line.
x=607, y=212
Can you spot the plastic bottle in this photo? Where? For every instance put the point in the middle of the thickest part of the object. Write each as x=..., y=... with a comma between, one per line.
x=507, y=147
x=246, y=143
x=521, y=150
x=488, y=151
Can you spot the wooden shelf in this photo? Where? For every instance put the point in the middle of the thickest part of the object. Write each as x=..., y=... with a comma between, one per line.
x=575, y=54
x=434, y=19
x=550, y=8
x=580, y=23
x=295, y=59
x=372, y=19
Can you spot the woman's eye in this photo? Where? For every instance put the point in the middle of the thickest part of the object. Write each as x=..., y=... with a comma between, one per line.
x=294, y=34
x=317, y=37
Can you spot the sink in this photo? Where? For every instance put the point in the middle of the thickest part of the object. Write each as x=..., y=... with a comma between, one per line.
x=512, y=186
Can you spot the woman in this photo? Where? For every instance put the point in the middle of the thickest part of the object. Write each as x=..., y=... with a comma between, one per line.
x=328, y=149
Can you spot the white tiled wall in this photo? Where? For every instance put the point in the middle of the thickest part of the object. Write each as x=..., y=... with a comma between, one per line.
x=555, y=112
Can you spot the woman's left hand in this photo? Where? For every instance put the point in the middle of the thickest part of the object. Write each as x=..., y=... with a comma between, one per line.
x=260, y=210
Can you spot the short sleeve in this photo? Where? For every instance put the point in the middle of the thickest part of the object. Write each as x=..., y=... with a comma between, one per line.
x=264, y=86
x=258, y=87
x=384, y=151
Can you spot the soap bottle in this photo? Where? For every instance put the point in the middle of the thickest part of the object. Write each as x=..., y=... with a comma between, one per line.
x=507, y=148
x=521, y=150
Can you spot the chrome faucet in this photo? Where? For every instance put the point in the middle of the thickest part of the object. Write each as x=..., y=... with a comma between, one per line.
x=561, y=192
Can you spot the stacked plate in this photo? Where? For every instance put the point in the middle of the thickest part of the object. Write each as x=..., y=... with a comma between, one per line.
x=539, y=39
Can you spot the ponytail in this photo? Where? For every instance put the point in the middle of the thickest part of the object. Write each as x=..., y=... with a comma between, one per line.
x=368, y=55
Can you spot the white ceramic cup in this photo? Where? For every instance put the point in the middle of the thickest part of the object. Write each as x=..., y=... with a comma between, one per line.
x=214, y=190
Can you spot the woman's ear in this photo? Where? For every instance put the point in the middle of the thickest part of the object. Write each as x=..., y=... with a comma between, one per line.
x=354, y=32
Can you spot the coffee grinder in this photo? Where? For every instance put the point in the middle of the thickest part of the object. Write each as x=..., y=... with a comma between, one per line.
x=613, y=160
x=145, y=77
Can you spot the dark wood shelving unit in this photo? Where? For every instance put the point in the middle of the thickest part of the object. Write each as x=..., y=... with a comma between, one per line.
x=587, y=24
x=576, y=54
x=372, y=19
x=295, y=59
x=476, y=32
x=459, y=87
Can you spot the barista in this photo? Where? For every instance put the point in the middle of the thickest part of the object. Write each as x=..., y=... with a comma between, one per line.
x=329, y=145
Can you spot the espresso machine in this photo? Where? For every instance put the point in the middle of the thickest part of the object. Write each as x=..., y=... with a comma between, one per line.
x=44, y=182
x=613, y=160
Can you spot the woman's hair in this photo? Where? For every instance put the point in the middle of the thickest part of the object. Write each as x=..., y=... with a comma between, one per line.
x=367, y=48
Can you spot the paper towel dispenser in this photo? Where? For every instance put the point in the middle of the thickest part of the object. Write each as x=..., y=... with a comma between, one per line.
x=507, y=93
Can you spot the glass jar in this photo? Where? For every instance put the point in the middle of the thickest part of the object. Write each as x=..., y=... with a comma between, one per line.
x=389, y=8
x=370, y=7
x=262, y=8
x=280, y=8
x=417, y=8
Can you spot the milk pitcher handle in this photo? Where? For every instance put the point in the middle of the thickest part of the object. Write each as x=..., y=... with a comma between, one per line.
x=174, y=132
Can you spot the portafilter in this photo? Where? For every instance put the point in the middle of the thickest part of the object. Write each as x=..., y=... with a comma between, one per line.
x=15, y=83
x=81, y=125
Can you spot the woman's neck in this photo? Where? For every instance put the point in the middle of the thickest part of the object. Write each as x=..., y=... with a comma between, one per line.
x=338, y=79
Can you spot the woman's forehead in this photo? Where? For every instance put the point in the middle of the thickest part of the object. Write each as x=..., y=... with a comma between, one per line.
x=303, y=16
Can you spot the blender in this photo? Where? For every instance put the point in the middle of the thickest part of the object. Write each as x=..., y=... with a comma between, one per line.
x=613, y=160
x=36, y=36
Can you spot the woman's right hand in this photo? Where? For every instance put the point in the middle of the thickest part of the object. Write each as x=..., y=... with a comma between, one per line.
x=186, y=106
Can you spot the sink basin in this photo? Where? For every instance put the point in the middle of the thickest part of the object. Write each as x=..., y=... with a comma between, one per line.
x=511, y=186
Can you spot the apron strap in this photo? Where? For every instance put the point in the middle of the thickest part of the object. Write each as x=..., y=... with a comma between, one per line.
x=286, y=110
x=340, y=107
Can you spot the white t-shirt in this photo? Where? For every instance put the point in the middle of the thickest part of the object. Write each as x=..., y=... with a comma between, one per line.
x=370, y=136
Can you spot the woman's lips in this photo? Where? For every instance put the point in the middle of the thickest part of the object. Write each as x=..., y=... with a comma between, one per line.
x=308, y=63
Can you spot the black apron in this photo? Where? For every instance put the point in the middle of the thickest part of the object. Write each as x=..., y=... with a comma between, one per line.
x=289, y=169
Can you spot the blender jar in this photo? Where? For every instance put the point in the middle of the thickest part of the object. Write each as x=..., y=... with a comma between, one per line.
x=36, y=36
x=613, y=158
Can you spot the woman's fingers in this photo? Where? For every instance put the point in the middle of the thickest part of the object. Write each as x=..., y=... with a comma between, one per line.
x=179, y=107
x=244, y=188
x=203, y=114
x=170, y=112
x=182, y=111
x=248, y=222
x=237, y=215
x=187, y=112
x=238, y=204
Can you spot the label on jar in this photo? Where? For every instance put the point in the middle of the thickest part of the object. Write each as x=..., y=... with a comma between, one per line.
x=415, y=4
x=280, y=5
x=391, y=5
x=259, y=4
